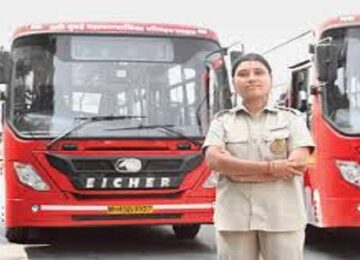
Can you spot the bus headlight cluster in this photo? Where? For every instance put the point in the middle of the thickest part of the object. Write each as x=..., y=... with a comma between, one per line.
x=350, y=171
x=27, y=175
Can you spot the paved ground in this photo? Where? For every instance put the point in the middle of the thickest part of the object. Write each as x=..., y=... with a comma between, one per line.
x=149, y=243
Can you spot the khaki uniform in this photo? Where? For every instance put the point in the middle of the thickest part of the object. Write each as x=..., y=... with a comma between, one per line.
x=267, y=207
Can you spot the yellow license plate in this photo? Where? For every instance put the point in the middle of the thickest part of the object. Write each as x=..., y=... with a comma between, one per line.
x=130, y=209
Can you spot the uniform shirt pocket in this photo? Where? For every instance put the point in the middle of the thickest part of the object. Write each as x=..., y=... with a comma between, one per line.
x=238, y=146
x=275, y=144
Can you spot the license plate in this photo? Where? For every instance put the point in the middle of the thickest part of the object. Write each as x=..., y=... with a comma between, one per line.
x=130, y=209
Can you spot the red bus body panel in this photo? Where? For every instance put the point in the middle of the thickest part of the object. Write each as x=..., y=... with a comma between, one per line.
x=190, y=203
x=337, y=201
x=331, y=200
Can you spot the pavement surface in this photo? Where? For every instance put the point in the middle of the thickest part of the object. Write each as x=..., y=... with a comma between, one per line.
x=152, y=242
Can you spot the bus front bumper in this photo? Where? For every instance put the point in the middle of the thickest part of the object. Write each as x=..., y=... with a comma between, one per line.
x=21, y=213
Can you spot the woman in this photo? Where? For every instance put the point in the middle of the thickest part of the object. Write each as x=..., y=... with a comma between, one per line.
x=259, y=151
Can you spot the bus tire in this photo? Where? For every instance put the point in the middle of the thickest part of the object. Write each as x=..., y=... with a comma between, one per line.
x=18, y=235
x=186, y=231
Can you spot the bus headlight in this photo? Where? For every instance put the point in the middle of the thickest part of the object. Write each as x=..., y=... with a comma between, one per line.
x=30, y=177
x=350, y=171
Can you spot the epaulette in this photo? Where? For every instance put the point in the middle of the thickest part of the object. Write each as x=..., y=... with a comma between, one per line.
x=221, y=112
x=289, y=109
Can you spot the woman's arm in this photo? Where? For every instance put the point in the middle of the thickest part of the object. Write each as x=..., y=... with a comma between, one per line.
x=220, y=160
x=223, y=162
x=254, y=178
x=299, y=155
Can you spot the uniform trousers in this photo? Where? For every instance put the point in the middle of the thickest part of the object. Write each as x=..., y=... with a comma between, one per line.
x=255, y=245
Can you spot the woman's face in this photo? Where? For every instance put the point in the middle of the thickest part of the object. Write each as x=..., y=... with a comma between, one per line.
x=252, y=80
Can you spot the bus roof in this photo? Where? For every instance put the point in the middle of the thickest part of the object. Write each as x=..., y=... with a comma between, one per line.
x=116, y=28
x=338, y=22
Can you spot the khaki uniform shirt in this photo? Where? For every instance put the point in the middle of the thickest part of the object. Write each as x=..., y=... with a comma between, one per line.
x=271, y=135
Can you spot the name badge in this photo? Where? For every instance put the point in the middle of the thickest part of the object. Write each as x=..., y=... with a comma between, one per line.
x=278, y=146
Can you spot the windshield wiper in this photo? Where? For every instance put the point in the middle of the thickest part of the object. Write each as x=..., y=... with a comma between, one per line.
x=85, y=121
x=167, y=127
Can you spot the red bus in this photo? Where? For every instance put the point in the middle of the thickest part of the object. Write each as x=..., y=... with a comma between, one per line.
x=103, y=125
x=326, y=88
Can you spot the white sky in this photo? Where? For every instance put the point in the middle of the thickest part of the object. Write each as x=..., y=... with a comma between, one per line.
x=259, y=24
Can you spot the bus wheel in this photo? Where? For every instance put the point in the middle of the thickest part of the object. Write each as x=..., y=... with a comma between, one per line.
x=186, y=231
x=18, y=235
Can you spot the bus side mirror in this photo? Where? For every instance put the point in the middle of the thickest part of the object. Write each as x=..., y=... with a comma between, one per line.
x=5, y=63
x=311, y=48
x=234, y=56
x=326, y=62
x=2, y=95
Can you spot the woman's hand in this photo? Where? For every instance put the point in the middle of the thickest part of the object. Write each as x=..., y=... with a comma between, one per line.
x=286, y=169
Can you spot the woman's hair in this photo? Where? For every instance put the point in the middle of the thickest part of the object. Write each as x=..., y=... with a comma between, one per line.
x=250, y=57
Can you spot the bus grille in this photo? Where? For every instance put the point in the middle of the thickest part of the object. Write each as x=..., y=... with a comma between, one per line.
x=95, y=173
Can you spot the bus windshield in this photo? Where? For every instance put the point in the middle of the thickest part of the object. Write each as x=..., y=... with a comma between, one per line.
x=153, y=80
x=341, y=99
